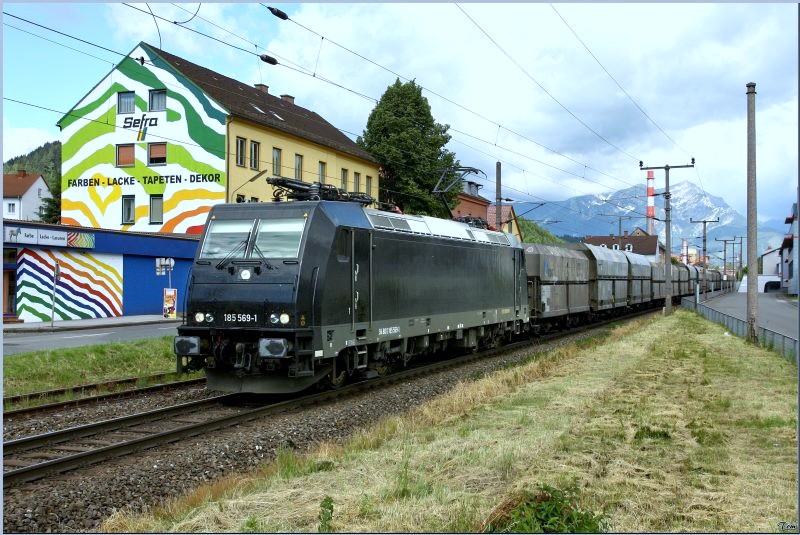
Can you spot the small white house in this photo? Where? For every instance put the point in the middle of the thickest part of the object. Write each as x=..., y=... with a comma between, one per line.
x=23, y=195
x=771, y=262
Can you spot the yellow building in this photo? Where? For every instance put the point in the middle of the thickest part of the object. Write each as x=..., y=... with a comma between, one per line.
x=272, y=136
x=160, y=140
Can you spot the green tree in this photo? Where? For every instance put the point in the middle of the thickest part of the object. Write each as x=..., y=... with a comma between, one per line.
x=51, y=207
x=410, y=148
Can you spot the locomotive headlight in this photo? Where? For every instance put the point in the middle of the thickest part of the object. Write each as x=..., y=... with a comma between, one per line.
x=209, y=318
x=274, y=319
x=284, y=318
x=245, y=274
x=199, y=317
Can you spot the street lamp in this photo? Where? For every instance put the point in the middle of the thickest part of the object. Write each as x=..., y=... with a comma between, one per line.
x=256, y=177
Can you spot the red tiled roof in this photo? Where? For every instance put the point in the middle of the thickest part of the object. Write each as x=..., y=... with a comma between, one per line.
x=16, y=184
x=248, y=102
x=505, y=213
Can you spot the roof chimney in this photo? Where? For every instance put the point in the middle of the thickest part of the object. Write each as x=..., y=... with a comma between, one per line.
x=262, y=87
x=21, y=173
x=625, y=233
x=288, y=98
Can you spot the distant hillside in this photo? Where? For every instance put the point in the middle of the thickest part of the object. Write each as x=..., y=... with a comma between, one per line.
x=45, y=160
x=533, y=233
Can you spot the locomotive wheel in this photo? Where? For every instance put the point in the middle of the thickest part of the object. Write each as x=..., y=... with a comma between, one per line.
x=338, y=375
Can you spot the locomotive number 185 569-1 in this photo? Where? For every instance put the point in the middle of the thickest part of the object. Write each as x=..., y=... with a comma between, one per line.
x=240, y=318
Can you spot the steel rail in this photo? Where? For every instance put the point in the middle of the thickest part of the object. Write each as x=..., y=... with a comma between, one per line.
x=18, y=398
x=102, y=397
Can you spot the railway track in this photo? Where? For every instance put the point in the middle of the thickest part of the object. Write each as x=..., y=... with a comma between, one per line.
x=36, y=457
x=93, y=398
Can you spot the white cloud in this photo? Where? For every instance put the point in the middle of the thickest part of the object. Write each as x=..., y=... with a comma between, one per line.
x=20, y=141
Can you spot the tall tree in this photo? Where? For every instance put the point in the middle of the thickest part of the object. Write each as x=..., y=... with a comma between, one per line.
x=410, y=147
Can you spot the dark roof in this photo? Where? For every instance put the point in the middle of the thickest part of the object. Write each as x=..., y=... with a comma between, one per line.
x=16, y=184
x=645, y=245
x=257, y=105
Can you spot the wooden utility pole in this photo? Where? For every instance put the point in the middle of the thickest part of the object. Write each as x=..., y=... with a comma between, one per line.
x=668, y=222
x=752, y=232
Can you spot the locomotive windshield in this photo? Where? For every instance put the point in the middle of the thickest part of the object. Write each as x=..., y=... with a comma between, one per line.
x=248, y=238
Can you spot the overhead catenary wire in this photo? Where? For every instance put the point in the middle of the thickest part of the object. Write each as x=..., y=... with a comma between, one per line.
x=570, y=112
x=283, y=16
x=636, y=104
x=304, y=71
x=352, y=134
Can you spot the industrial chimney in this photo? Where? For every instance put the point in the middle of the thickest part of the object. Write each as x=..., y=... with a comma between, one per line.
x=651, y=204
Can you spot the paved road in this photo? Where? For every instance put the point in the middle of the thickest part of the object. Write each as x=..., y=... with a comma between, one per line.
x=22, y=342
x=776, y=311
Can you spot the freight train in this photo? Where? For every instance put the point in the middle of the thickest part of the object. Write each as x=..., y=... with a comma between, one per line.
x=286, y=295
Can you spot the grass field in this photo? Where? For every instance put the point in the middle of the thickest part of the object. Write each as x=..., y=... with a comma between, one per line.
x=666, y=425
x=49, y=370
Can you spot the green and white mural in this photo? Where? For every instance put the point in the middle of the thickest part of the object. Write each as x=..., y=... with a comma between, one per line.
x=143, y=151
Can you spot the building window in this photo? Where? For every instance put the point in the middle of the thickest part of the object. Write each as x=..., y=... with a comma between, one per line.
x=156, y=153
x=126, y=102
x=240, y=143
x=323, y=170
x=12, y=208
x=628, y=247
x=254, y=154
x=39, y=191
x=276, y=161
x=344, y=179
x=356, y=181
x=298, y=166
x=369, y=185
x=156, y=208
x=128, y=209
x=253, y=199
x=125, y=156
x=616, y=247
x=158, y=99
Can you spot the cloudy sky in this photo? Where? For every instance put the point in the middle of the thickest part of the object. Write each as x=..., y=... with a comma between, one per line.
x=568, y=97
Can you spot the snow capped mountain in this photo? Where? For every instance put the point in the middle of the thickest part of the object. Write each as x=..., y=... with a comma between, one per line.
x=603, y=214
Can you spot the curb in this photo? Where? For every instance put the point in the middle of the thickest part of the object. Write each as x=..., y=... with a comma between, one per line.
x=57, y=328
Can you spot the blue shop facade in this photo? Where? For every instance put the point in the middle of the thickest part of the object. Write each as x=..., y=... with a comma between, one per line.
x=69, y=272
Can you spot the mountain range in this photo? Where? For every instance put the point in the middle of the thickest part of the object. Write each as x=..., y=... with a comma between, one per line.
x=599, y=215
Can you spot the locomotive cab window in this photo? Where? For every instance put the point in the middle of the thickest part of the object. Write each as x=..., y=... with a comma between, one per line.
x=253, y=239
x=226, y=237
x=279, y=238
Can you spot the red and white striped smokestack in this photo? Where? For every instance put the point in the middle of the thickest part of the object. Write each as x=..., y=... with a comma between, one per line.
x=651, y=204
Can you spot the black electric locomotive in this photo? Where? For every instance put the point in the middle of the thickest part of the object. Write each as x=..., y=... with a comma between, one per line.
x=286, y=295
